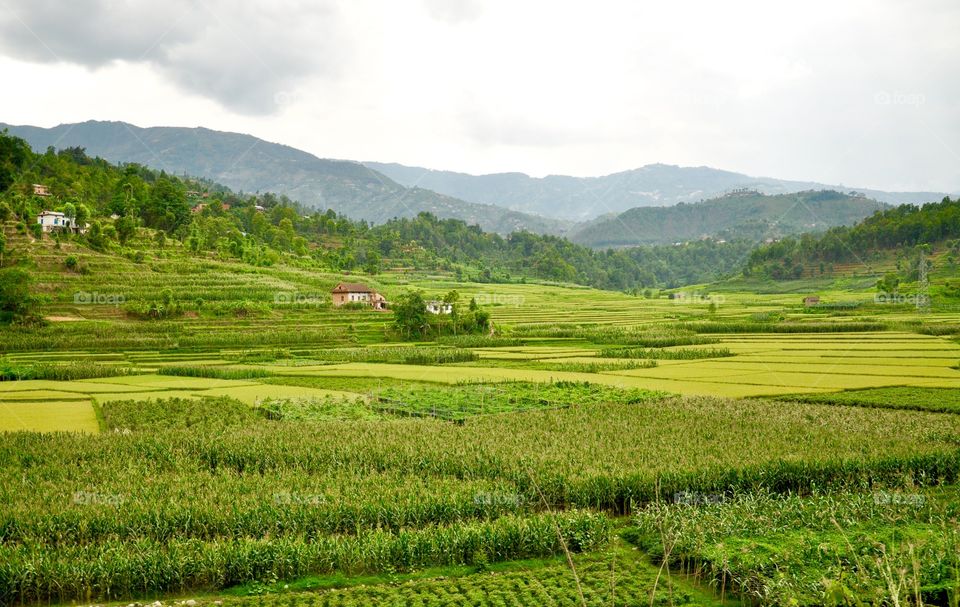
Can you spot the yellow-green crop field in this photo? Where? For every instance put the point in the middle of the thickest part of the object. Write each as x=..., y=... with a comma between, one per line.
x=300, y=444
x=759, y=365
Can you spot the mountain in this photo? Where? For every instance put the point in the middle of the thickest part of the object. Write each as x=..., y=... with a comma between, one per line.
x=584, y=198
x=243, y=162
x=742, y=214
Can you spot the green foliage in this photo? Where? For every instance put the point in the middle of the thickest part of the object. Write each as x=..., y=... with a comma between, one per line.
x=750, y=216
x=946, y=400
x=409, y=355
x=890, y=283
x=410, y=314
x=206, y=414
x=318, y=409
x=16, y=300
x=899, y=228
x=14, y=154
x=460, y=402
x=887, y=547
x=213, y=372
x=126, y=227
x=656, y=337
x=479, y=341
x=658, y=354
x=166, y=208
x=785, y=327
x=14, y=371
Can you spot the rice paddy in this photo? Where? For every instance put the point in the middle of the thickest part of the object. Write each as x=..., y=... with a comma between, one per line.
x=299, y=443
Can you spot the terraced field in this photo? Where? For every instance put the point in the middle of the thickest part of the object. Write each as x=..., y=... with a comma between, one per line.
x=247, y=449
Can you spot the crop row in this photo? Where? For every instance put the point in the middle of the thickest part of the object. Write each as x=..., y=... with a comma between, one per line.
x=887, y=547
x=113, y=569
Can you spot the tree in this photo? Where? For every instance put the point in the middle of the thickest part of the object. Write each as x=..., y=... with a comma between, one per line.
x=167, y=207
x=453, y=298
x=372, y=264
x=890, y=283
x=410, y=314
x=14, y=153
x=126, y=227
x=16, y=302
x=82, y=215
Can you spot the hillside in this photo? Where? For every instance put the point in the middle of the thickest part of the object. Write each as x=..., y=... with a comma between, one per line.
x=748, y=215
x=248, y=164
x=898, y=236
x=131, y=204
x=585, y=198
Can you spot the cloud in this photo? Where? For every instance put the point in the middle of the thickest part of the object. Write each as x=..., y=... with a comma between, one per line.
x=242, y=55
x=453, y=11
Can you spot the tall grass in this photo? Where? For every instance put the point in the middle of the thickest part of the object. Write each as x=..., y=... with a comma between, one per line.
x=649, y=337
x=658, y=354
x=409, y=355
x=213, y=372
x=111, y=569
x=13, y=371
x=479, y=341
x=785, y=327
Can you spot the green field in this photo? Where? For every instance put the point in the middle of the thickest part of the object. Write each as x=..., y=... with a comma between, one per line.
x=299, y=455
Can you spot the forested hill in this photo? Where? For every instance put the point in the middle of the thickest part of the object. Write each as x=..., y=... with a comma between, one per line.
x=745, y=214
x=586, y=198
x=935, y=225
x=135, y=211
x=246, y=163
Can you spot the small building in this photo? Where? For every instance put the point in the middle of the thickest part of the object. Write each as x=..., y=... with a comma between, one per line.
x=54, y=220
x=439, y=307
x=353, y=292
x=258, y=208
x=811, y=300
x=40, y=190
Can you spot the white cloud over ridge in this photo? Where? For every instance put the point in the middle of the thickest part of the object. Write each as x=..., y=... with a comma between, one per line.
x=860, y=93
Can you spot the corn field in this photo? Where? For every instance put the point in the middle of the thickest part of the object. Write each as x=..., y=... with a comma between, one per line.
x=215, y=498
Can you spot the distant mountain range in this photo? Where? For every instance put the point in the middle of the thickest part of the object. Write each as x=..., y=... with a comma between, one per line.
x=243, y=162
x=746, y=215
x=621, y=209
x=585, y=198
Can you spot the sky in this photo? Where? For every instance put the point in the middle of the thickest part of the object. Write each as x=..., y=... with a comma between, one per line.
x=858, y=93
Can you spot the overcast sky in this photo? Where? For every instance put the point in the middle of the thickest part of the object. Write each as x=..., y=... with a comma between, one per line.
x=863, y=93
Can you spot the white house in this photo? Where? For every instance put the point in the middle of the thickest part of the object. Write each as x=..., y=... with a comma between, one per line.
x=56, y=221
x=439, y=307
